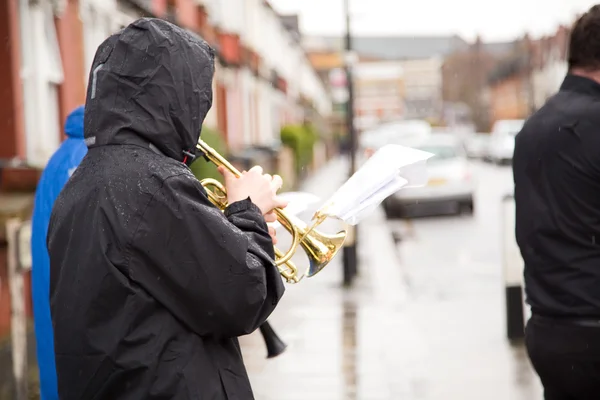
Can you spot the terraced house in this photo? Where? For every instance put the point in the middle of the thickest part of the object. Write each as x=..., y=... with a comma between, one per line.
x=264, y=81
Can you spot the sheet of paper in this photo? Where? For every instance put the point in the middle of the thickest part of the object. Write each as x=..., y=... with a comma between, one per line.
x=298, y=203
x=368, y=205
x=390, y=169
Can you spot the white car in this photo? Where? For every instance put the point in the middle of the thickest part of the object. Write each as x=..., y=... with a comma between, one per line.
x=394, y=132
x=450, y=180
x=502, y=140
x=477, y=146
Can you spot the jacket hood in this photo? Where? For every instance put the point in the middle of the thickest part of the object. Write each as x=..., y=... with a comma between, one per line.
x=150, y=84
x=74, y=123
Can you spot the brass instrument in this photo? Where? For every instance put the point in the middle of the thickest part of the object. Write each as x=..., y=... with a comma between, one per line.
x=319, y=247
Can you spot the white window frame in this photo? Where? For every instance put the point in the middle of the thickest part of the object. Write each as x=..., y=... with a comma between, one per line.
x=41, y=74
x=99, y=22
x=247, y=117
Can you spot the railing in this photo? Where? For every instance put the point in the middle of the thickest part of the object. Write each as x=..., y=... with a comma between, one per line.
x=18, y=235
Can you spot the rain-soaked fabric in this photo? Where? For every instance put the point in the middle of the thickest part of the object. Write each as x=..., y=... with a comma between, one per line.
x=150, y=283
x=56, y=173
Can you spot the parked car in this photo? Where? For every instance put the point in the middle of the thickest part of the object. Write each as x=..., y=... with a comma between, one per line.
x=477, y=146
x=502, y=143
x=451, y=182
x=394, y=132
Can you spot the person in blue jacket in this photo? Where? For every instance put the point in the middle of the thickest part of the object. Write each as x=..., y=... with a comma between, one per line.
x=56, y=173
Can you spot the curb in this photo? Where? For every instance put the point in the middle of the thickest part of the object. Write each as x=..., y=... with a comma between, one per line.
x=379, y=258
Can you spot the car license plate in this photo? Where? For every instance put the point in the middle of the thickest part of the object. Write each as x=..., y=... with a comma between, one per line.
x=436, y=182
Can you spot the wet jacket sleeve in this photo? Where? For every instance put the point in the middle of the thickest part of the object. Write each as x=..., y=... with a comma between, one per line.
x=213, y=271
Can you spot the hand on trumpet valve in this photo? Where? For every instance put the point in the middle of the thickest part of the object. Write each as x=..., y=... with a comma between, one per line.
x=273, y=234
x=261, y=188
x=271, y=217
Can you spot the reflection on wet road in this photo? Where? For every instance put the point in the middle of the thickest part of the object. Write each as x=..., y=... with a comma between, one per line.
x=424, y=322
x=452, y=270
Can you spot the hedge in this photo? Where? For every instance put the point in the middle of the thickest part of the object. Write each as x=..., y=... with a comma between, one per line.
x=201, y=168
x=301, y=139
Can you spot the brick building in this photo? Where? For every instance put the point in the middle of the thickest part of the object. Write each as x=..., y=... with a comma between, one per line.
x=380, y=97
x=549, y=65
x=465, y=75
x=263, y=75
x=419, y=57
x=263, y=80
x=524, y=80
x=510, y=89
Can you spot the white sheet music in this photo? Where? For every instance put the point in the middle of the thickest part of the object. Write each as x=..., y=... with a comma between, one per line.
x=390, y=169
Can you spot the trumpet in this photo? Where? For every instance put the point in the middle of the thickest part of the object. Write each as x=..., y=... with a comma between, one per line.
x=320, y=248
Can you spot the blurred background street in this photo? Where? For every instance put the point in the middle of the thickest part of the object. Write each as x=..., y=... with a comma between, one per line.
x=425, y=320
x=419, y=306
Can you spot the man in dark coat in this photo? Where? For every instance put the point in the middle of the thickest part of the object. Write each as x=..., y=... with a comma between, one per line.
x=150, y=283
x=557, y=195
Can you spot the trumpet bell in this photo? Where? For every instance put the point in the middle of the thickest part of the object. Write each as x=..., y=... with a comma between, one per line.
x=321, y=249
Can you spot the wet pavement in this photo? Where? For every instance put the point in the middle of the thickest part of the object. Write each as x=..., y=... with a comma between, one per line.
x=425, y=320
x=452, y=270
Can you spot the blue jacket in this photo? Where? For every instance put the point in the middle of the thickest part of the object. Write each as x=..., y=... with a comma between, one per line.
x=56, y=173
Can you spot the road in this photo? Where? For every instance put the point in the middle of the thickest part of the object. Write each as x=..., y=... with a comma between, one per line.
x=425, y=321
x=451, y=267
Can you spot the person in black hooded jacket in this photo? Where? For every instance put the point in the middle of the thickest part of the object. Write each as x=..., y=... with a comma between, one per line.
x=150, y=283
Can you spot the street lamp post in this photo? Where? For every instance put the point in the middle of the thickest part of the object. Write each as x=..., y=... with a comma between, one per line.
x=350, y=257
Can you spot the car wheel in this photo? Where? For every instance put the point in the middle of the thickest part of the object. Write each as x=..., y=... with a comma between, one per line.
x=392, y=210
x=387, y=208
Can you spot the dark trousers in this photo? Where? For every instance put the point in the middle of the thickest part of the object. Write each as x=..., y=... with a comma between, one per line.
x=566, y=356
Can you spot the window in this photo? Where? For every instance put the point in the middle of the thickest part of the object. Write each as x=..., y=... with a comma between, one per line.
x=100, y=20
x=171, y=12
x=41, y=74
x=441, y=152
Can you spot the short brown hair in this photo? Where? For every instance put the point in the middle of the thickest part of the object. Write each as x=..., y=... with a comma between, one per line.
x=584, y=43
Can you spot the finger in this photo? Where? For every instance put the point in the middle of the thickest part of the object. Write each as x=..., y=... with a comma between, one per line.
x=257, y=169
x=280, y=203
x=271, y=216
x=277, y=182
x=227, y=175
x=268, y=177
x=273, y=234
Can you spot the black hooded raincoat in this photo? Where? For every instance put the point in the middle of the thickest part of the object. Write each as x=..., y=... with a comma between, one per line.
x=150, y=283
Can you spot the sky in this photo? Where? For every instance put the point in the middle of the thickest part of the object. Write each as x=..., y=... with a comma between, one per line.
x=493, y=20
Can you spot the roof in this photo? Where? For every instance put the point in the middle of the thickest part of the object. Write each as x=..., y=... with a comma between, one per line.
x=392, y=47
x=510, y=67
x=499, y=48
x=292, y=24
